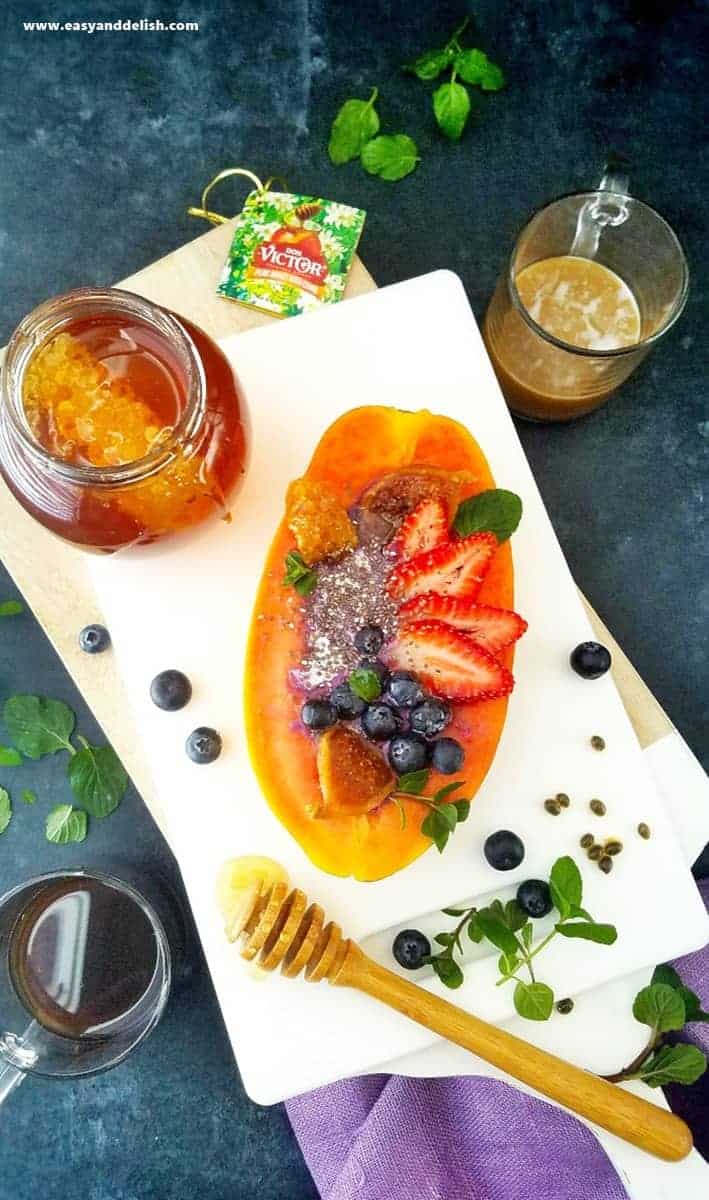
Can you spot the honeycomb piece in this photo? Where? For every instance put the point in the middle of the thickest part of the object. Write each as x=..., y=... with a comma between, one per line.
x=318, y=521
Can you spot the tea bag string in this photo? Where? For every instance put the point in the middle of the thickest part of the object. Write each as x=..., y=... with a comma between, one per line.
x=216, y=218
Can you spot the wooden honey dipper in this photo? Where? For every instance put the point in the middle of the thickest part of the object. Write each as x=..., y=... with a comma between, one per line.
x=278, y=926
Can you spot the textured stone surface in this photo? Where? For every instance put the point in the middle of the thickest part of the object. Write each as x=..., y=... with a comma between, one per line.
x=106, y=139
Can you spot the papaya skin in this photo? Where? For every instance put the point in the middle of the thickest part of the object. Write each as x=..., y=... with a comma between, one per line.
x=363, y=445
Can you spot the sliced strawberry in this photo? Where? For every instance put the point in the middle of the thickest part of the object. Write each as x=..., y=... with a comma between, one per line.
x=447, y=662
x=452, y=569
x=424, y=529
x=492, y=628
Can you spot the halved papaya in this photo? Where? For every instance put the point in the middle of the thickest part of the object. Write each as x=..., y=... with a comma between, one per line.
x=358, y=458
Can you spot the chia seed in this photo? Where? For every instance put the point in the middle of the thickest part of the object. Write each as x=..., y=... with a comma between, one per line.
x=350, y=593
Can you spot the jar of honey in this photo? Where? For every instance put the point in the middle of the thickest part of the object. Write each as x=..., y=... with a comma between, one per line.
x=120, y=423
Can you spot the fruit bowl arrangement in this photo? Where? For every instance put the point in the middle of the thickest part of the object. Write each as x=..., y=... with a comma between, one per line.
x=379, y=663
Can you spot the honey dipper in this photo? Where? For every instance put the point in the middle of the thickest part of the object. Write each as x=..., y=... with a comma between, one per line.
x=278, y=926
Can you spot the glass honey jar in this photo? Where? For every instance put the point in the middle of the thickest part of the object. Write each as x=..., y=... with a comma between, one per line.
x=120, y=423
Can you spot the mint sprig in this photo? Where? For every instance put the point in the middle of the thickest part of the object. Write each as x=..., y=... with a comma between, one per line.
x=298, y=574
x=365, y=683
x=666, y=1005
x=495, y=510
x=445, y=814
x=451, y=101
x=508, y=928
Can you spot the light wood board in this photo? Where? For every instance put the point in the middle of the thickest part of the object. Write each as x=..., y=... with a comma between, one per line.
x=52, y=577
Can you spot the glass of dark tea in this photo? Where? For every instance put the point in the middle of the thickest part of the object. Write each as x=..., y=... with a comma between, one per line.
x=84, y=975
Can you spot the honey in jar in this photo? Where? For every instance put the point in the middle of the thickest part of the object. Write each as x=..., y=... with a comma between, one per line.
x=120, y=423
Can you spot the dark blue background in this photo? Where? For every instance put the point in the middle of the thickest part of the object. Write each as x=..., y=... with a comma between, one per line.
x=106, y=140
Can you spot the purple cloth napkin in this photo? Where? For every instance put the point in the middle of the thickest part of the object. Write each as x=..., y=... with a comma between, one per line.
x=385, y=1137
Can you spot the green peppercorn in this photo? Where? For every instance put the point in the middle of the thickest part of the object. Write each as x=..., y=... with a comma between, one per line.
x=613, y=846
x=597, y=742
x=565, y=1006
x=597, y=807
x=553, y=807
x=595, y=852
x=586, y=841
x=562, y=799
x=644, y=830
x=605, y=864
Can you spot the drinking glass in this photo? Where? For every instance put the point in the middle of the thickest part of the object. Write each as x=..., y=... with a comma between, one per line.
x=544, y=378
x=77, y=946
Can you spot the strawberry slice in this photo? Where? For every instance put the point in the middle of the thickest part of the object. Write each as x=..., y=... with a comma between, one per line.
x=492, y=628
x=425, y=528
x=452, y=569
x=447, y=662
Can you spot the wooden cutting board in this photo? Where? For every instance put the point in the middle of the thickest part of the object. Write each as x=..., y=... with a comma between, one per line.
x=52, y=576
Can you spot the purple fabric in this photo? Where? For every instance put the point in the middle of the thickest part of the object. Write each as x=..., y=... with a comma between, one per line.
x=389, y=1138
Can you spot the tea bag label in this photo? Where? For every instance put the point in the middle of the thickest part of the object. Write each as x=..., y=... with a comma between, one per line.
x=290, y=253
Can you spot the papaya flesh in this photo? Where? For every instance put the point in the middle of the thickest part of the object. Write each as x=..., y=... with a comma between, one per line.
x=354, y=459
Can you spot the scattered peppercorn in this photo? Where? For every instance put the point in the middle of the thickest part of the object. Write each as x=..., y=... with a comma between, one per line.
x=613, y=846
x=553, y=807
x=565, y=1006
x=595, y=852
x=563, y=799
x=644, y=830
x=586, y=841
x=597, y=807
x=605, y=864
x=597, y=742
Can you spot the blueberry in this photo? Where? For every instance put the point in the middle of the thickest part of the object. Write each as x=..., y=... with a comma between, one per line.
x=94, y=639
x=347, y=704
x=504, y=850
x=534, y=897
x=431, y=717
x=203, y=745
x=407, y=752
x=404, y=690
x=447, y=756
x=379, y=722
x=590, y=660
x=410, y=948
x=171, y=690
x=318, y=714
x=369, y=639
x=373, y=664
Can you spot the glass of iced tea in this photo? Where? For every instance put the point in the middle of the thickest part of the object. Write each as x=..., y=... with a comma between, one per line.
x=85, y=970
x=594, y=281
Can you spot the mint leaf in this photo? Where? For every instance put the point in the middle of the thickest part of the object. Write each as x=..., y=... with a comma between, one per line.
x=528, y=935
x=444, y=939
x=462, y=807
x=447, y=971
x=475, y=933
x=10, y=608
x=446, y=790
x=534, y=1001
x=692, y=1003
x=98, y=779
x=508, y=963
x=9, y=757
x=391, y=156
x=660, y=1007
x=66, y=824
x=515, y=918
x=589, y=931
x=453, y=912
x=413, y=783
x=298, y=574
x=356, y=122
x=475, y=67
x=497, y=932
x=430, y=64
x=673, y=1064
x=39, y=726
x=436, y=828
x=448, y=813
x=28, y=796
x=565, y=885
x=5, y=809
x=495, y=511
x=366, y=684
x=577, y=911
x=451, y=105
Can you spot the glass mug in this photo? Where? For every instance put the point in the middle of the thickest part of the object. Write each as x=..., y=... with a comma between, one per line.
x=85, y=972
x=624, y=271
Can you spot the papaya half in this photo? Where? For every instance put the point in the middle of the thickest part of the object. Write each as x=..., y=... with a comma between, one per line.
x=384, y=459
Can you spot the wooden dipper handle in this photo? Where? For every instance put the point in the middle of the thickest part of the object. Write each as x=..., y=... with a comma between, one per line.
x=278, y=928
